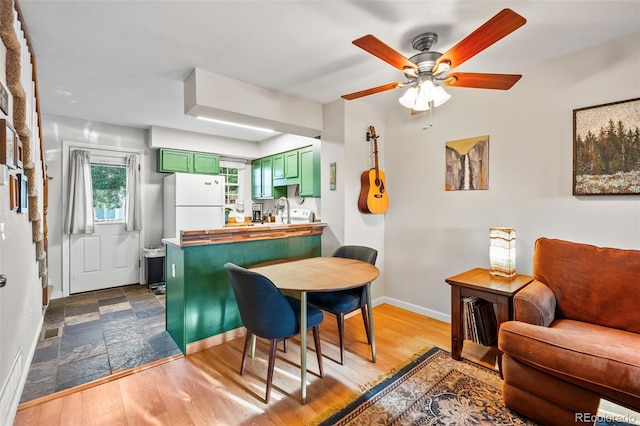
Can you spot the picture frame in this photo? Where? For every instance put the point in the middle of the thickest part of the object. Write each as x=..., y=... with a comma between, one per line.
x=23, y=190
x=467, y=164
x=606, y=149
x=332, y=176
x=8, y=138
x=13, y=192
x=4, y=100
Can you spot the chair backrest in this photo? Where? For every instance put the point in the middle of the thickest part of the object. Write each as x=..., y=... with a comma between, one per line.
x=598, y=285
x=264, y=310
x=366, y=254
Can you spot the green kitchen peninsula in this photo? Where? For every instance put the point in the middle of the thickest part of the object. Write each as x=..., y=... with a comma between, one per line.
x=201, y=310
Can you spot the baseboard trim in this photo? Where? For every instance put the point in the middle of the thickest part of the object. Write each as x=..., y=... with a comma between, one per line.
x=216, y=340
x=440, y=316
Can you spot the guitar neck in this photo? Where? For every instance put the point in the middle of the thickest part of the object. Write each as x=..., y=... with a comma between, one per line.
x=375, y=156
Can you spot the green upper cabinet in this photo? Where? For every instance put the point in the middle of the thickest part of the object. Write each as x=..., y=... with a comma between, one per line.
x=206, y=163
x=271, y=175
x=170, y=160
x=310, y=171
x=173, y=160
x=286, y=168
x=262, y=178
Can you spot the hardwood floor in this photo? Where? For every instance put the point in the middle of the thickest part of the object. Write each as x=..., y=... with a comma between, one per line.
x=205, y=388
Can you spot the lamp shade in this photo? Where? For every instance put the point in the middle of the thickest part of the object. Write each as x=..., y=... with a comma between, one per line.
x=502, y=252
x=408, y=100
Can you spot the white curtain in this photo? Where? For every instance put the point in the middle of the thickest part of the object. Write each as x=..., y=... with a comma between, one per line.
x=132, y=205
x=79, y=218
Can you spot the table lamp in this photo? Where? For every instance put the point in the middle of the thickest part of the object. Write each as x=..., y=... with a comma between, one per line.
x=502, y=252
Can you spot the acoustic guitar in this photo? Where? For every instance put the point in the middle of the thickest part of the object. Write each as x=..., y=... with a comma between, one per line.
x=373, y=195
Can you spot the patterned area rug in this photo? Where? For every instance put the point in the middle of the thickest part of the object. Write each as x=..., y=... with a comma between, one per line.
x=432, y=389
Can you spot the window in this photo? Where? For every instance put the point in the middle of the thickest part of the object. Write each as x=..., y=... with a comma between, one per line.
x=233, y=174
x=109, y=191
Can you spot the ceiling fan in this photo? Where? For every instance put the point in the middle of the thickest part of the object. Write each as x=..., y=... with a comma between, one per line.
x=427, y=71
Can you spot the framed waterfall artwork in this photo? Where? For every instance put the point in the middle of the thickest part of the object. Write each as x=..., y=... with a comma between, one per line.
x=467, y=164
x=606, y=149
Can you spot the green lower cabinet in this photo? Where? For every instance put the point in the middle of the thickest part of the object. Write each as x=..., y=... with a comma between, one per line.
x=199, y=298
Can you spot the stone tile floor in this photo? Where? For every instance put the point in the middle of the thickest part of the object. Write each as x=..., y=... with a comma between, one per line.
x=92, y=335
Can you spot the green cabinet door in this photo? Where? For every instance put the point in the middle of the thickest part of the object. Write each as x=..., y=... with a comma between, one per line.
x=267, y=177
x=175, y=160
x=206, y=163
x=309, y=172
x=290, y=164
x=171, y=160
x=278, y=166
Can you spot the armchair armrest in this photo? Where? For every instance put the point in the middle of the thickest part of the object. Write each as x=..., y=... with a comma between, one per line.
x=535, y=304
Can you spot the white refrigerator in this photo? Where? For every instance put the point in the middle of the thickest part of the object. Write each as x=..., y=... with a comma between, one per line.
x=192, y=203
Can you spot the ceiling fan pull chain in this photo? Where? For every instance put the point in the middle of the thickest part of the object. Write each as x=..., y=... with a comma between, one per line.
x=429, y=120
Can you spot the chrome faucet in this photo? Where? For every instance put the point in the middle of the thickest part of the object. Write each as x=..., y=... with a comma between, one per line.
x=286, y=200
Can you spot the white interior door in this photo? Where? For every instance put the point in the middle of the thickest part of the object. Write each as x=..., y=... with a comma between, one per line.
x=110, y=257
x=107, y=258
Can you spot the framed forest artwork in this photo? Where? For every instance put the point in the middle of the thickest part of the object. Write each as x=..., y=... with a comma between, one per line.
x=606, y=149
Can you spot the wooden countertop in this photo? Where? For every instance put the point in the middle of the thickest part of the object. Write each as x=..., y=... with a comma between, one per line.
x=249, y=232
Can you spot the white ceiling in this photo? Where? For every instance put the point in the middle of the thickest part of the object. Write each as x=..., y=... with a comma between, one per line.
x=124, y=62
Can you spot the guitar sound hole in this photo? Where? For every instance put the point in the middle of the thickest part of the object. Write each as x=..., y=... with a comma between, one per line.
x=378, y=196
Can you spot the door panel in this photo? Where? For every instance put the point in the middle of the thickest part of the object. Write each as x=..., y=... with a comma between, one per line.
x=91, y=244
x=122, y=252
x=107, y=258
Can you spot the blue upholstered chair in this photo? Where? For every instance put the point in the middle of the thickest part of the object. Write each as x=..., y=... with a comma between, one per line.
x=343, y=302
x=267, y=313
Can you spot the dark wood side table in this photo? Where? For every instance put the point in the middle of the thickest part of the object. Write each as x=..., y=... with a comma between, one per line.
x=479, y=283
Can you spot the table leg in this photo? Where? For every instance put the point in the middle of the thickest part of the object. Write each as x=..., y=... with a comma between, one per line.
x=303, y=347
x=253, y=346
x=457, y=333
x=372, y=337
x=503, y=314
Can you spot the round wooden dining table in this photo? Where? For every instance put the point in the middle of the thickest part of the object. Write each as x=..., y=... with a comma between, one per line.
x=317, y=274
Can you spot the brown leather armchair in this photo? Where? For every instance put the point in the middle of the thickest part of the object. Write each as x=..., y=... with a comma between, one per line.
x=576, y=334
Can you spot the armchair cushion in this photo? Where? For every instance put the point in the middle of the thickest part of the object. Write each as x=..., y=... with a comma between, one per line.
x=597, y=357
x=535, y=304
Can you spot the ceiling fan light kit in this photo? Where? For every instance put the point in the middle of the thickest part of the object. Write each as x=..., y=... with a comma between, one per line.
x=427, y=71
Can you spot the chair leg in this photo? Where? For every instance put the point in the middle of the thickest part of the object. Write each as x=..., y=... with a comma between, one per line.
x=284, y=345
x=247, y=340
x=316, y=339
x=365, y=319
x=340, y=318
x=272, y=362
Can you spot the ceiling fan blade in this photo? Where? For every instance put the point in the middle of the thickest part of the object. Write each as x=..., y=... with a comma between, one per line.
x=371, y=91
x=502, y=24
x=377, y=48
x=481, y=80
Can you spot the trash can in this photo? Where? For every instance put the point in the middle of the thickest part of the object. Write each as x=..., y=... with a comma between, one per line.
x=154, y=266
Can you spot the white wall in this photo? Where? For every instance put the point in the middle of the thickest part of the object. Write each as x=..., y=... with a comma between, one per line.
x=21, y=299
x=432, y=234
x=344, y=142
x=57, y=129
